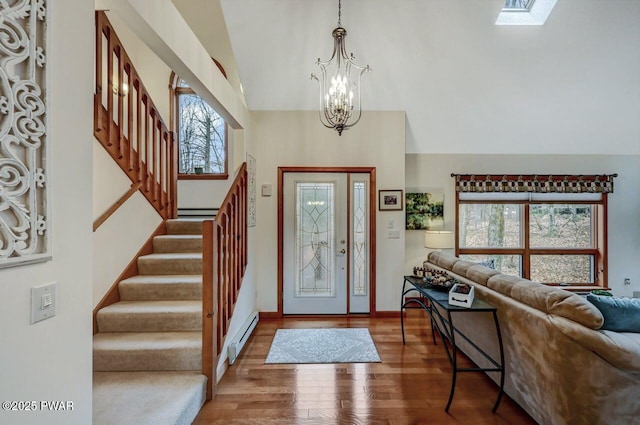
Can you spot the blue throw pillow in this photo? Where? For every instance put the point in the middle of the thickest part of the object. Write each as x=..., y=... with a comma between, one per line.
x=620, y=314
x=488, y=263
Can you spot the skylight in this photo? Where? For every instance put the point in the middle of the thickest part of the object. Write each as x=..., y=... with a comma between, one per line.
x=517, y=5
x=525, y=12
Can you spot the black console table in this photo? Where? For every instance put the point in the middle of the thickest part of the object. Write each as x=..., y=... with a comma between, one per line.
x=441, y=314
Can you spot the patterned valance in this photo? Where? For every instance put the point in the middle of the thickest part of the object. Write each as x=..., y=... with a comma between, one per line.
x=534, y=183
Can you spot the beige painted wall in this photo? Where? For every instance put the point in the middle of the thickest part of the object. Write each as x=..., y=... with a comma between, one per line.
x=434, y=172
x=118, y=239
x=51, y=360
x=298, y=139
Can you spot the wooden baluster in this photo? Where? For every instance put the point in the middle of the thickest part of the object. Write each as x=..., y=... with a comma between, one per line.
x=120, y=98
x=220, y=283
x=238, y=245
x=174, y=176
x=163, y=171
x=147, y=175
x=97, y=97
x=227, y=267
x=244, y=221
x=139, y=129
x=154, y=141
x=130, y=117
x=109, y=87
x=208, y=309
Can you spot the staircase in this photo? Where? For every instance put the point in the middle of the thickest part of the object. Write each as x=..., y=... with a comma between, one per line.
x=147, y=353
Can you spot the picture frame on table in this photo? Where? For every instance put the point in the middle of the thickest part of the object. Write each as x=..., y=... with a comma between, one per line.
x=390, y=200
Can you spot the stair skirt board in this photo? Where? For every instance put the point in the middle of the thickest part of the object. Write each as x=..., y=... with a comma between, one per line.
x=147, y=398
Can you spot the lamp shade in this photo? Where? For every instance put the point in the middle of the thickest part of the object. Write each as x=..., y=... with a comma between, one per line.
x=438, y=239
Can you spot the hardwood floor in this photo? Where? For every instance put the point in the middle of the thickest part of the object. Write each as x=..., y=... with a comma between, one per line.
x=410, y=386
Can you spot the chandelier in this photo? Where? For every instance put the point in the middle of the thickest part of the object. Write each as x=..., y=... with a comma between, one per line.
x=339, y=80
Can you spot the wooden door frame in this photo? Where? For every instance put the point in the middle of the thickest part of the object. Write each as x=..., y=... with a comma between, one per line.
x=372, y=228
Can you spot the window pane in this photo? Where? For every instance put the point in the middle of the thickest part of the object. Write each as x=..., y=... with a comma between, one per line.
x=490, y=225
x=507, y=264
x=560, y=226
x=562, y=269
x=202, y=137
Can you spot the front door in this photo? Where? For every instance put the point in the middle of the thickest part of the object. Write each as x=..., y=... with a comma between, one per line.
x=325, y=249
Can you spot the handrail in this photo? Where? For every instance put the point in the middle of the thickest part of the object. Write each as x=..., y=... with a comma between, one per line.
x=129, y=126
x=113, y=208
x=224, y=261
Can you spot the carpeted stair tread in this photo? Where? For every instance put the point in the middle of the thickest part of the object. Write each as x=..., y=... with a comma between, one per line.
x=184, y=226
x=151, y=316
x=171, y=263
x=147, y=398
x=131, y=351
x=161, y=287
x=177, y=243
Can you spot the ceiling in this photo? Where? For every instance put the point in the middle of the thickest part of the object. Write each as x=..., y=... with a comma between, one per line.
x=458, y=76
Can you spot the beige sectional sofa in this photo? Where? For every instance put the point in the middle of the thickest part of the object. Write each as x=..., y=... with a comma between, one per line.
x=559, y=367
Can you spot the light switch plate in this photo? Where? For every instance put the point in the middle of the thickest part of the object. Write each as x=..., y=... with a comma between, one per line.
x=266, y=190
x=43, y=302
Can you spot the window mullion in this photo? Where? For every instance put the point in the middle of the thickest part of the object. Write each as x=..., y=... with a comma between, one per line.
x=526, y=256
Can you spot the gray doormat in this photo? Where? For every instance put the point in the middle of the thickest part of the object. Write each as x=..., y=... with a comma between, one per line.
x=324, y=345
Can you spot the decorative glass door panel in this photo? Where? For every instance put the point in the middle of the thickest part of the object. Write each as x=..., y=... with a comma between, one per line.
x=359, y=243
x=315, y=239
x=325, y=243
x=315, y=231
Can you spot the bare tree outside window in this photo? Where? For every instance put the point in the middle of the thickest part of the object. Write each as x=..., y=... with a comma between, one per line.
x=202, y=135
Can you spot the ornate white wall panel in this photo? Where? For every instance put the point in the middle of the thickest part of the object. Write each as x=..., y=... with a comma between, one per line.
x=23, y=175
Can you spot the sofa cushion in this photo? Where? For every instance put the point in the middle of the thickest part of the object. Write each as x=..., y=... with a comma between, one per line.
x=461, y=267
x=480, y=274
x=443, y=260
x=503, y=283
x=557, y=301
x=620, y=314
x=621, y=349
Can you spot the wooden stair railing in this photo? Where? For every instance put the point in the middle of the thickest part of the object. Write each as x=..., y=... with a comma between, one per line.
x=129, y=126
x=224, y=261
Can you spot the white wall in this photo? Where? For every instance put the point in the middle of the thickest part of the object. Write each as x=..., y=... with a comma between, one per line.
x=298, y=139
x=434, y=171
x=51, y=360
x=118, y=239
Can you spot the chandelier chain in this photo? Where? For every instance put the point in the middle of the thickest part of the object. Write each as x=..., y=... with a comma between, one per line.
x=339, y=13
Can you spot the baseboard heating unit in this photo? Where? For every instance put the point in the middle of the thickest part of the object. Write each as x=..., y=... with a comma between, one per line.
x=236, y=345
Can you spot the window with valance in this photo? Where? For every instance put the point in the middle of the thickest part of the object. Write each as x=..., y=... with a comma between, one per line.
x=547, y=228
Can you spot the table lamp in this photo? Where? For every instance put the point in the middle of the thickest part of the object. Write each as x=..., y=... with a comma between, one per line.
x=438, y=239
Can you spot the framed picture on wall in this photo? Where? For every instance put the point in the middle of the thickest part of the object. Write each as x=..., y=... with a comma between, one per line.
x=390, y=200
x=425, y=211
